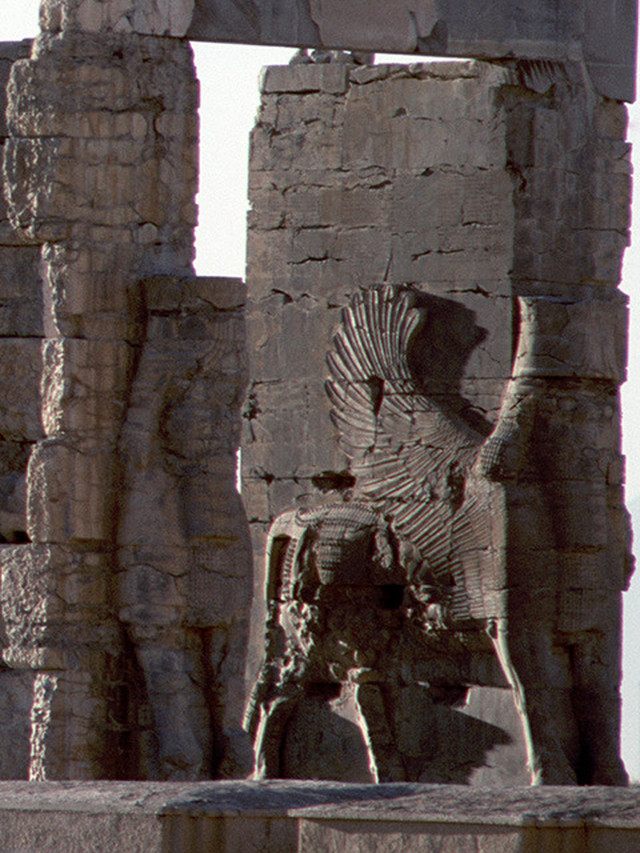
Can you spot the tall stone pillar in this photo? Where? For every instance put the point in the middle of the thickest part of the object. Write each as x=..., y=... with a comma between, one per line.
x=98, y=171
x=477, y=186
x=101, y=170
x=20, y=424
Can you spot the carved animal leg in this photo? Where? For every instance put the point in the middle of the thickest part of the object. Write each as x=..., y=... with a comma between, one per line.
x=272, y=717
x=384, y=761
x=152, y=612
x=598, y=712
x=253, y=709
x=179, y=710
x=596, y=700
x=525, y=664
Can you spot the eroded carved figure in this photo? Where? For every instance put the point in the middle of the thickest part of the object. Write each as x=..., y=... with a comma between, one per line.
x=460, y=542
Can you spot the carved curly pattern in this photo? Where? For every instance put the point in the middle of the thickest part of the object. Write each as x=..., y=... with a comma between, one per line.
x=408, y=452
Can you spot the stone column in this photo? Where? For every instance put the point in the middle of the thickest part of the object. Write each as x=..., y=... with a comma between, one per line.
x=20, y=425
x=475, y=183
x=101, y=170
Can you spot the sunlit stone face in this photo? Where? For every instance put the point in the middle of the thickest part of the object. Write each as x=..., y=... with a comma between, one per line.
x=148, y=17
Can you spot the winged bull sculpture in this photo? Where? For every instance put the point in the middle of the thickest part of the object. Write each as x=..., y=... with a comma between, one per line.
x=447, y=547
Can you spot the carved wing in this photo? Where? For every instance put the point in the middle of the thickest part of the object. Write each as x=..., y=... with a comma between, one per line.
x=409, y=452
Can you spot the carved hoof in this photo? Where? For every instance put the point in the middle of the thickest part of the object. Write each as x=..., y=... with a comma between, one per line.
x=553, y=776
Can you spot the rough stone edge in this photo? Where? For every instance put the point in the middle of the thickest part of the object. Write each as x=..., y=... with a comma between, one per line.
x=603, y=37
x=548, y=806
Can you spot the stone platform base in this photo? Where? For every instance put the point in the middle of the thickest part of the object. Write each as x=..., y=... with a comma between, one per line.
x=308, y=817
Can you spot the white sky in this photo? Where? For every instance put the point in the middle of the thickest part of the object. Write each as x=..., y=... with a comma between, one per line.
x=229, y=99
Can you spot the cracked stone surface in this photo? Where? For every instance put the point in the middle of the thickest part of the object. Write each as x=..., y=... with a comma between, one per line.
x=497, y=195
x=124, y=555
x=484, y=28
x=436, y=178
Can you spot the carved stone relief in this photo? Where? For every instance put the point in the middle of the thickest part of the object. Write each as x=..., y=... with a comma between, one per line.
x=476, y=437
x=450, y=539
x=485, y=441
x=112, y=603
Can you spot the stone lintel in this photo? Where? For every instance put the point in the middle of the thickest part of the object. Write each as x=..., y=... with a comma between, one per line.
x=169, y=293
x=298, y=817
x=602, y=33
x=12, y=50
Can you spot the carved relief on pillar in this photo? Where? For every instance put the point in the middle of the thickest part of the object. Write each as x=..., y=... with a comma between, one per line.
x=456, y=539
x=489, y=182
x=183, y=551
x=100, y=170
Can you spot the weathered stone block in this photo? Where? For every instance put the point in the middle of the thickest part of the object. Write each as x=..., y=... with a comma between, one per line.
x=100, y=80
x=331, y=78
x=20, y=368
x=28, y=175
x=349, y=837
x=287, y=430
x=74, y=376
x=10, y=52
x=297, y=817
x=587, y=338
x=392, y=124
x=611, y=119
x=54, y=607
x=296, y=148
x=14, y=456
x=16, y=693
x=484, y=258
x=90, y=293
x=607, y=256
x=69, y=492
x=20, y=291
x=294, y=110
x=341, y=206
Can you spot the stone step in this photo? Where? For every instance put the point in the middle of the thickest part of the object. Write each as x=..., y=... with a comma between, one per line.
x=308, y=817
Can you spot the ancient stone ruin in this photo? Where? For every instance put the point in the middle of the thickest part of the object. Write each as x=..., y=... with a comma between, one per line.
x=422, y=578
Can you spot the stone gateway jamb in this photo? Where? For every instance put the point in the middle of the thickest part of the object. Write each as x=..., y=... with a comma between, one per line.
x=492, y=192
x=129, y=600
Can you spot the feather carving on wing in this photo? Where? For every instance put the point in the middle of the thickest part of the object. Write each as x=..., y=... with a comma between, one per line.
x=410, y=451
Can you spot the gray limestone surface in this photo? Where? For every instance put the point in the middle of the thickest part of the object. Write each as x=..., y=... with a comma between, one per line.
x=601, y=33
x=123, y=553
x=433, y=257
x=493, y=193
x=298, y=817
x=598, y=33
x=21, y=331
